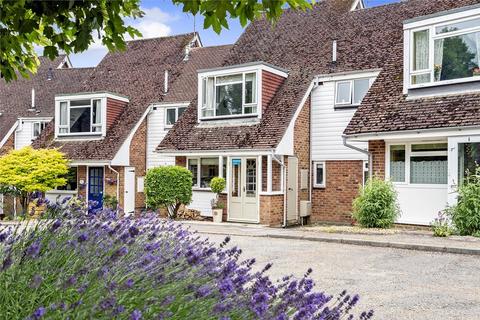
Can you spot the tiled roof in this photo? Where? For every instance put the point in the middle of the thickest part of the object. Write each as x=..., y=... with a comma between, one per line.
x=387, y=109
x=301, y=42
x=138, y=73
x=16, y=96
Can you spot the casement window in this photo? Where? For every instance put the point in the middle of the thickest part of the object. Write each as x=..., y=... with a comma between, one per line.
x=229, y=95
x=78, y=117
x=203, y=171
x=319, y=172
x=418, y=163
x=172, y=114
x=38, y=128
x=366, y=172
x=351, y=92
x=71, y=178
x=444, y=53
x=468, y=160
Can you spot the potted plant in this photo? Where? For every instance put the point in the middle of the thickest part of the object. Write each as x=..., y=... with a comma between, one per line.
x=217, y=185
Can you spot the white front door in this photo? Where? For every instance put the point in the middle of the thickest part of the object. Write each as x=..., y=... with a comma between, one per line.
x=243, y=191
x=129, y=191
x=292, y=186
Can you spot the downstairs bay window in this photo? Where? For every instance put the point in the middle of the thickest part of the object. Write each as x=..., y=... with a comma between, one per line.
x=203, y=171
x=229, y=95
x=445, y=52
x=418, y=163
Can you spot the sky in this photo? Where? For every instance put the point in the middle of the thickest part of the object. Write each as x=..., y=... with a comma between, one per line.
x=163, y=18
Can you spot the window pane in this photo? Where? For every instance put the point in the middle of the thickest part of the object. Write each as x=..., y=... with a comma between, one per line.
x=397, y=163
x=170, y=116
x=229, y=79
x=343, y=93
x=208, y=97
x=457, y=57
x=63, y=113
x=80, y=119
x=36, y=129
x=429, y=147
x=319, y=178
x=420, y=50
x=208, y=170
x=468, y=159
x=421, y=78
x=181, y=111
x=251, y=183
x=458, y=26
x=71, y=180
x=229, y=99
x=78, y=103
x=360, y=89
x=97, y=111
x=236, y=177
x=428, y=170
x=193, y=167
x=224, y=172
x=250, y=88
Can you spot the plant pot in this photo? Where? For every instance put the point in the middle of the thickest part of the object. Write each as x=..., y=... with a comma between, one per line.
x=217, y=215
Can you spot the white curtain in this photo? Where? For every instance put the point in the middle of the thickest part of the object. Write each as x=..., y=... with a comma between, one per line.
x=207, y=108
x=438, y=55
x=421, y=50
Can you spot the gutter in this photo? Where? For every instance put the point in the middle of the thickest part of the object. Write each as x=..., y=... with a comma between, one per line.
x=118, y=181
x=368, y=153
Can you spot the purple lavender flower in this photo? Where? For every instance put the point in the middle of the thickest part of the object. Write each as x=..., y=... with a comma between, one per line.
x=136, y=315
x=83, y=237
x=129, y=283
x=39, y=313
x=36, y=281
x=34, y=249
x=133, y=231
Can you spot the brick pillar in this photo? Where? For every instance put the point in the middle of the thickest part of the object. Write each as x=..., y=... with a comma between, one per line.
x=377, y=148
x=181, y=161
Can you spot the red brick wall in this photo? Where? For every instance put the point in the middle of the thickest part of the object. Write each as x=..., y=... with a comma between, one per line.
x=114, y=109
x=9, y=145
x=334, y=202
x=138, y=159
x=82, y=175
x=377, y=148
x=271, y=210
x=181, y=161
x=270, y=84
x=302, y=147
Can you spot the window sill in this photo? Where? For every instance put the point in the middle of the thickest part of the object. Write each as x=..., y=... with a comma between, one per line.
x=345, y=106
x=240, y=116
x=443, y=83
x=319, y=186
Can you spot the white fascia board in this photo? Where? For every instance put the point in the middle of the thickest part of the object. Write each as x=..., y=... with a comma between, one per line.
x=122, y=157
x=171, y=104
x=350, y=75
x=417, y=134
x=442, y=17
x=255, y=66
x=212, y=153
x=35, y=119
x=286, y=144
x=9, y=133
x=90, y=95
x=67, y=61
x=76, y=163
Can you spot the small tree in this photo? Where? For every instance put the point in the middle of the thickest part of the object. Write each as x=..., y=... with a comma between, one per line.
x=168, y=186
x=29, y=170
x=376, y=206
x=217, y=185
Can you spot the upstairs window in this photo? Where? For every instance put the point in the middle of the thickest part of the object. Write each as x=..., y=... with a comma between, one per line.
x=351, y=92
x=229, y=95
x=172, y=114
x=38, y=128
x=77, y=117
x=445, y=53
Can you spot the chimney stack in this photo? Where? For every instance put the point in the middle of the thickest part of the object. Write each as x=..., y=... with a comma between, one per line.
x=165, y=83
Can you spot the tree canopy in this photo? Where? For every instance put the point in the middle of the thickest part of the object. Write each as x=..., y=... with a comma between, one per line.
x=70, y=26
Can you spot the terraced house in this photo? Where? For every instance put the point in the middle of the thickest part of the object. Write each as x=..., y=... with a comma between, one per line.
x=295, y=116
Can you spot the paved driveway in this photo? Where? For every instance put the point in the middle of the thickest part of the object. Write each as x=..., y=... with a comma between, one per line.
x=396, y=283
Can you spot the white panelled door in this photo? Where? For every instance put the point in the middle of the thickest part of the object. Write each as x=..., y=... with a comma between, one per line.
x=129, y=192
x=292, y=187
x=243, y=192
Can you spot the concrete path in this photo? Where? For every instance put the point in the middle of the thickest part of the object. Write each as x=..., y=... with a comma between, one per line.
x=403, y=240
x=396, y=283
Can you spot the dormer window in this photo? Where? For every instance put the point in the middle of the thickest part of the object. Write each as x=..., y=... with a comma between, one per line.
x=80, y=117
x=443, y=50
x=240, y=91
x=229, y=95
x=350, y=93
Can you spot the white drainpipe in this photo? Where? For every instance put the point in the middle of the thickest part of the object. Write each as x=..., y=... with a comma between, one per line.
x=368, y=153
x=281, y=163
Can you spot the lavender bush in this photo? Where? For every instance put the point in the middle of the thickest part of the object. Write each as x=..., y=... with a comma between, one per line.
x=99, y=266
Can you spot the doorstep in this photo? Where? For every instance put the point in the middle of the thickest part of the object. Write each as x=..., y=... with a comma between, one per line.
x=402, y=240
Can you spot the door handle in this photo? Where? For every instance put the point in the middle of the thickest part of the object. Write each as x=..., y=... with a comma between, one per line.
x=290, y=189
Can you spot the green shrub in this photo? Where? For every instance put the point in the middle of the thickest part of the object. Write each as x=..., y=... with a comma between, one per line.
x=466, y=214
x=169, y=187
x=441, y=226
x=376, y=206
x=110, y=202
x=217, y=184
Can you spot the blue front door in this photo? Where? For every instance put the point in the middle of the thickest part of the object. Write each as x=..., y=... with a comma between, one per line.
x=95, y=187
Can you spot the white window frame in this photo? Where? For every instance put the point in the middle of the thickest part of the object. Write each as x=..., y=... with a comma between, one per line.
x=315, y=184
x=352, y=91
x=176, y=114
x=40, y=124
x=204, y=82
x=408, y=155
x=199, y=173
x=92, y=124
x=431, y=25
